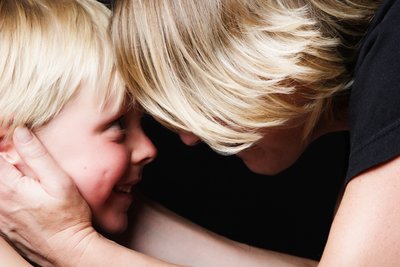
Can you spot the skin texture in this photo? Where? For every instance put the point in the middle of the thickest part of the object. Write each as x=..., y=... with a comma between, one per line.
x=76, y=234
x=9, y=257
x=154, y=223
x=99, y=150
x=364, y=231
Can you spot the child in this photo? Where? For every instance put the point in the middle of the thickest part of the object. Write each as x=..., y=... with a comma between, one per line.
x=263, y=79
x=58, y=78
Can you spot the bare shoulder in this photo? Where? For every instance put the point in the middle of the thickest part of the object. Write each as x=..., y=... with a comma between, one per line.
x=366, y=228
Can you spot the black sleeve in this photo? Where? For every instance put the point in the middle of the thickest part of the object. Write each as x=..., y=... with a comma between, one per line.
x=107, y=3
x=375, y=96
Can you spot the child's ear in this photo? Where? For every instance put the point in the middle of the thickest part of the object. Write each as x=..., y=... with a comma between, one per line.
x=7, y=149
x=10, y=154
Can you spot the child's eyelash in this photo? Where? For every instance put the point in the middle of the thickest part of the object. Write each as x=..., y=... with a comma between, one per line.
x=120, y=122
x=117, y=129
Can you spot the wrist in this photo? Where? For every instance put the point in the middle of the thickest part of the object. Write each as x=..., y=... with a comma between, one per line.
x=96, y=250
x=70, y=247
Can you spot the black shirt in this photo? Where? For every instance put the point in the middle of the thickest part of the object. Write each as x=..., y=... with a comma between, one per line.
x=375, y=95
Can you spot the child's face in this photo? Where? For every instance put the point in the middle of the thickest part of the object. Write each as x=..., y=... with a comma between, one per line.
x=103, y=153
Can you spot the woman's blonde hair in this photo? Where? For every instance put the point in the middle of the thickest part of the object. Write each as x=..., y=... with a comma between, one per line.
x=226, y=69
x=49, y=50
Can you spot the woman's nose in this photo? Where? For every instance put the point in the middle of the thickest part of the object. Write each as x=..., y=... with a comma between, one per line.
x=189, y=138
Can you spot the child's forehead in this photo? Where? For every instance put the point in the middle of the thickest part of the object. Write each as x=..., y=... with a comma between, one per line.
x=109, y=93
x=119, y=103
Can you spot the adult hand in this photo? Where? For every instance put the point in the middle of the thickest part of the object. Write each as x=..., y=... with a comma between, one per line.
x=44, y=217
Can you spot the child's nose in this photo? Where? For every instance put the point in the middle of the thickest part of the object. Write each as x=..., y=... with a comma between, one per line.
x=144, y=151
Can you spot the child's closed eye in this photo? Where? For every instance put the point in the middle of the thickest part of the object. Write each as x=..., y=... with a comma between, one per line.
x=116, y=130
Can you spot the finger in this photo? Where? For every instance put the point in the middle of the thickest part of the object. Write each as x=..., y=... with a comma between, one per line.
x=8, y=175
x=35, y=155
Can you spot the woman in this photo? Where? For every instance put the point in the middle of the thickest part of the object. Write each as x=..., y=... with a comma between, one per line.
x=262, y=80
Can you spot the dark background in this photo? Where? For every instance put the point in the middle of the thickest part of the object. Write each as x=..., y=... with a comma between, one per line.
x=290, y=212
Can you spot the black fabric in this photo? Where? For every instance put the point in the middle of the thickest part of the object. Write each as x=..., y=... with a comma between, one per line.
x=375, y=95
x=107, y=3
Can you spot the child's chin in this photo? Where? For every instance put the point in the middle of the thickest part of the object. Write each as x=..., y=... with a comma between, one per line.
x=113, y=226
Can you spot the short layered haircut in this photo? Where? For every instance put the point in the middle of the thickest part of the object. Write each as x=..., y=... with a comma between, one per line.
x=226, y=70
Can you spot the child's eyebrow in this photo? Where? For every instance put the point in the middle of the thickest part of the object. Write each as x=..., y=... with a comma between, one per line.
x=115, y=115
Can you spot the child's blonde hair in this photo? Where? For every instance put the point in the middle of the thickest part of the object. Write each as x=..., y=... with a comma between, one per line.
x=49, y=49
x=226, y=69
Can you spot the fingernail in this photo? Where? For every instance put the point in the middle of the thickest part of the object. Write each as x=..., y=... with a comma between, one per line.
x=22, y=134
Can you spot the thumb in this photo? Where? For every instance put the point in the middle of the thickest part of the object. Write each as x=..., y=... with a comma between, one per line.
x=49, y=174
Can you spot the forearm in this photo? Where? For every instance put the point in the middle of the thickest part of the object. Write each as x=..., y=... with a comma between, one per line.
x=99, y=251
x=165, y=235
x=9, y=257
x=89, y=248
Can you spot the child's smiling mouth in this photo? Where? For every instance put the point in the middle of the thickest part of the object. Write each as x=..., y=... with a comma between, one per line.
x=125, y=188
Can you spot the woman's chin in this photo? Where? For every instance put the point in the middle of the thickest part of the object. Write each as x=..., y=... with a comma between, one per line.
x=264, y=169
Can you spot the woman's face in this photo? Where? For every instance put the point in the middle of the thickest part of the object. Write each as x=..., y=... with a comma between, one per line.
x=275, y=152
